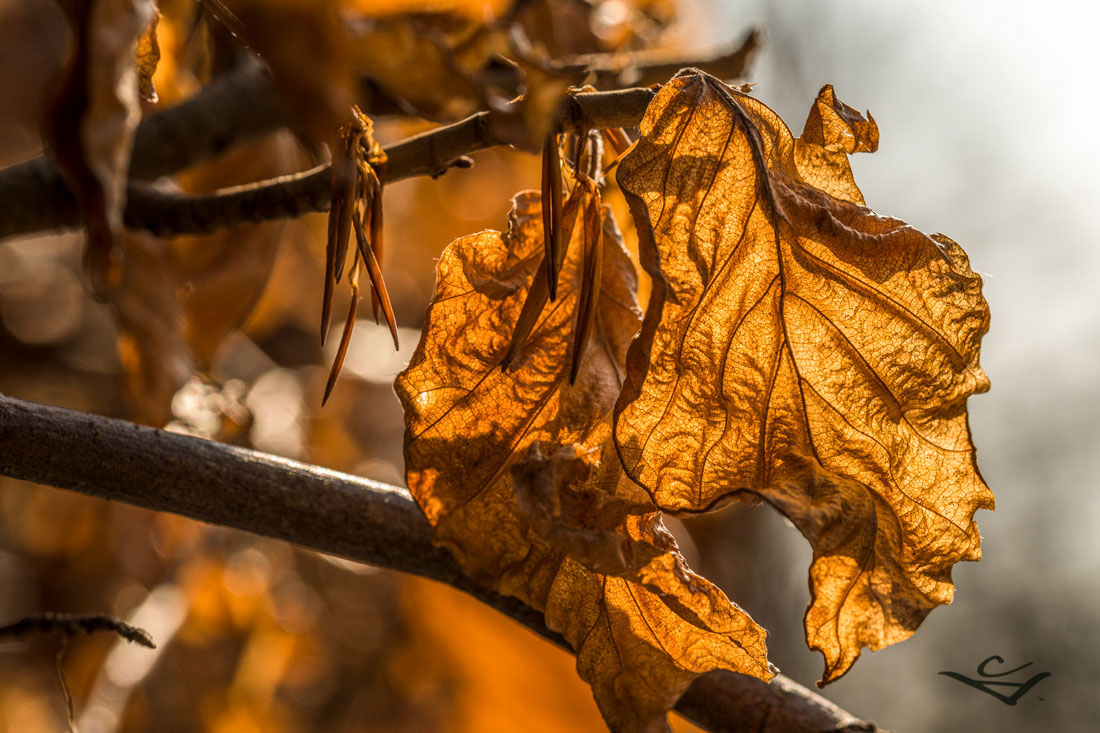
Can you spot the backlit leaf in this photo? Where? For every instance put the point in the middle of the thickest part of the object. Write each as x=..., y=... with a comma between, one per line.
x=800, y=348
x=516, y=471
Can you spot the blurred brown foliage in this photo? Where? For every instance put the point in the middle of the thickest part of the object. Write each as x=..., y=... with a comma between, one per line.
x=217, y=337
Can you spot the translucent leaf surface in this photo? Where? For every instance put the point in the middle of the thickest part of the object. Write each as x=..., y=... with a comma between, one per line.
x=475, y=435
x=800, y=348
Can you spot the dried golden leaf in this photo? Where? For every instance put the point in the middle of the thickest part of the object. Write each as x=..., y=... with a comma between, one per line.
x=803, y=349
x=92, y=120
x=559, y=499
x=833, y=131
x=474, y=462
x=454, y=392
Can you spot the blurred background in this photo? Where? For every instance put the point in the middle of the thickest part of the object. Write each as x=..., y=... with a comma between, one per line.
x=986, y=122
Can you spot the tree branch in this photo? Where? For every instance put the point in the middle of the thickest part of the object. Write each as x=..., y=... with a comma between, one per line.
x=38, y=199
x=329, y=512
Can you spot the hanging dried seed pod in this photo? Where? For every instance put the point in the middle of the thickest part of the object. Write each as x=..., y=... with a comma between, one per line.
x=339, y=219
x=375, y=195
x=551, y=215
x=539, y=293
x=377, y=283
x=345, y=337
x=590, y=282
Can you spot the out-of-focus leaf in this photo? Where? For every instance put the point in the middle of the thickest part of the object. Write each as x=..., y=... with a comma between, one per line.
x=475, y=435
x=479, y=10
x=156, y=360
x=307, y=46
x=92, y=121
x=799, y=348
x=147, y=56
x=33, y=48
x=180, y=298
x=427, y=62
x=222, y=275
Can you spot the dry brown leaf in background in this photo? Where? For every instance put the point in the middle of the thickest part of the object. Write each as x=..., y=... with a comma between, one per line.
x=155, y=358
x=307, y=47
x=480, y=10
x=470, y=431
x=427, y=63
x=527, y=123
x=147, y=56
x=34, y=39
x=92, y=118
x=222, y=275
x=803, y=349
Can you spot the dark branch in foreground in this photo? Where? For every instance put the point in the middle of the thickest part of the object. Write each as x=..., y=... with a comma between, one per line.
x=330, y=512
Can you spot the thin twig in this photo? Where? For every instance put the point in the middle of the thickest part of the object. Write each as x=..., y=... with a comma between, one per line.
x=330, y=512
x=242, y=104
x=69, y=625
x=59, y=664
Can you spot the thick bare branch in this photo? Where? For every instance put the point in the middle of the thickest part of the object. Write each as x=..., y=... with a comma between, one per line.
x=39, y=200
x=330, y=512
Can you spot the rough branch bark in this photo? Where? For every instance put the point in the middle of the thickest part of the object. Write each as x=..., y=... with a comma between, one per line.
x=330, y=512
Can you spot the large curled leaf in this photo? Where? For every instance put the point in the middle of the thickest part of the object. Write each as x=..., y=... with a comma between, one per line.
x=800, y=348
x=479, y=437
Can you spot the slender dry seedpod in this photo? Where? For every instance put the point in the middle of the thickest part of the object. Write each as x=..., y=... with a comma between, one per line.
x=356, y=205
x=339, y=221
x=539, y=293
x=375, y=232
x=551, y=215
x=590, y=282
x=379, y=285
x=617, y=138
x=619, y=142
x=580, y=141
x=345, y=337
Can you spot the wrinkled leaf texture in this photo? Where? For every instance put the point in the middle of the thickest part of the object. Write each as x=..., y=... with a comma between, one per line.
x=799, y=348
x=477, y=434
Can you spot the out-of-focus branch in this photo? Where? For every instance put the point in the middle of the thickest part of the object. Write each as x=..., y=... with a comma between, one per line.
x=243, y=103
x=36, y=199
x=329, y=512
x=656, y=67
